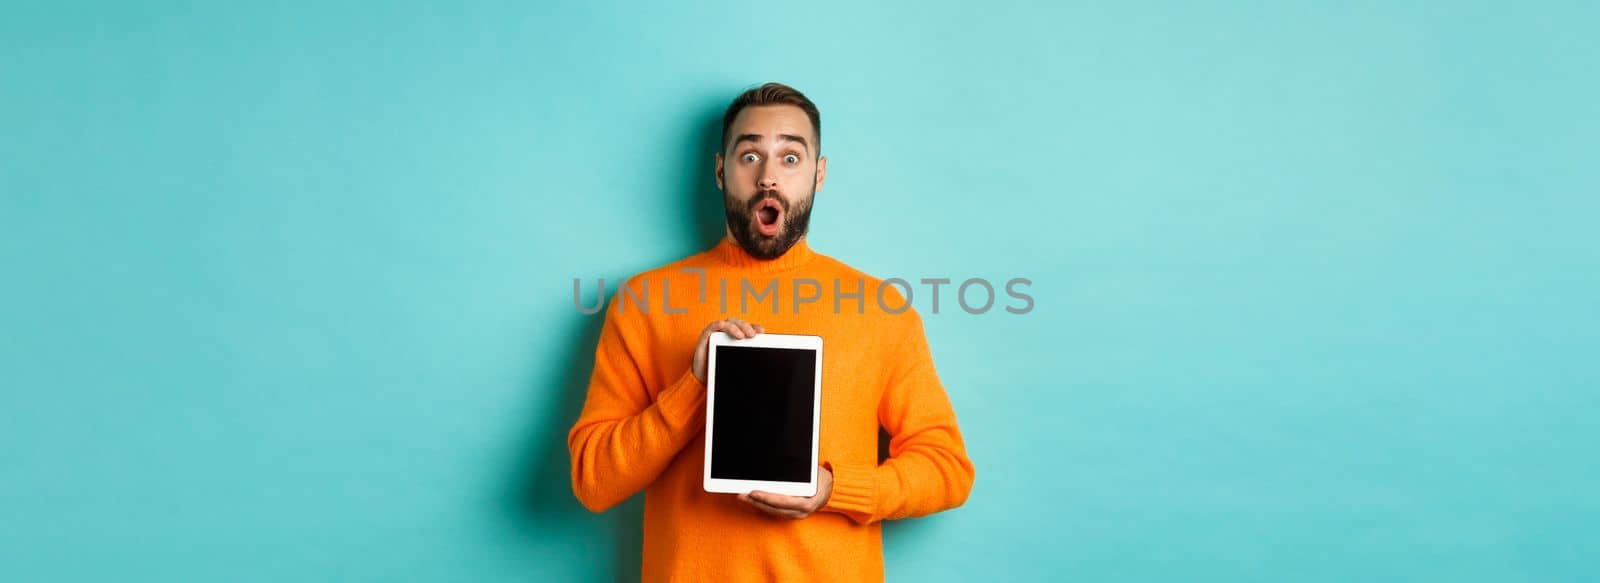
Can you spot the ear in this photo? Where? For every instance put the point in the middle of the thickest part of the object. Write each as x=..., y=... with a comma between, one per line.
x=719, y=172
x=822, y=171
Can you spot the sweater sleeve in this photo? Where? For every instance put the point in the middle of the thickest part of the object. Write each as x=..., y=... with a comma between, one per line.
x=927, y=470
x=623, y=439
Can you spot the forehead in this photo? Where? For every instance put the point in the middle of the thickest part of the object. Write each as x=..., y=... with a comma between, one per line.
x=771, y=120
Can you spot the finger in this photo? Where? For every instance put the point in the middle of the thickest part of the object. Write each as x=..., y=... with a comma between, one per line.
x=749, y=329
x=759, y=329
x=711, y=328
x=731, y=326
x=773, y=510
x=780, y=512
x=795, y=503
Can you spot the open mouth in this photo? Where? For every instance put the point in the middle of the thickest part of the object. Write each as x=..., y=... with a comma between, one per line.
x=769, y=217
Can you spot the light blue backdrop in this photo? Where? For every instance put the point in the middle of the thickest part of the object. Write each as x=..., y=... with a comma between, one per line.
x=287, y=288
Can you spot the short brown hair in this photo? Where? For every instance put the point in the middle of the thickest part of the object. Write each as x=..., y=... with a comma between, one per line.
x=773, y=94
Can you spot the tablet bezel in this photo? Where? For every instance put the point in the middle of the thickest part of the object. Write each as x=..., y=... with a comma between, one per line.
x=791, y=341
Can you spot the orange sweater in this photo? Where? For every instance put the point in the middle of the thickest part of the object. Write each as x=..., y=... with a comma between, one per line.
x=643, y=423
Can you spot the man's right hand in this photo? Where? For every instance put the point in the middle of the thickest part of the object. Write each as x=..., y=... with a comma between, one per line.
x=739, y=329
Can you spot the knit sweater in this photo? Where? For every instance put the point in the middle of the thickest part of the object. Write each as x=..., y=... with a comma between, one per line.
x=643, y=422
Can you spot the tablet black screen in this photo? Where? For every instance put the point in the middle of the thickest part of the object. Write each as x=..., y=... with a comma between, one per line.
x=762, y=414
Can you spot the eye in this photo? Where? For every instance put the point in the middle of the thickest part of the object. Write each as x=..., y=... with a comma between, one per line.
x=791, y=159
x=750, y=157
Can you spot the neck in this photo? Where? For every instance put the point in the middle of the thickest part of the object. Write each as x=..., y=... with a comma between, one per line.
x=729, y=252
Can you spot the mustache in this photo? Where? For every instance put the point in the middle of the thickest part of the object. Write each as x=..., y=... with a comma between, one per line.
x=750, y=205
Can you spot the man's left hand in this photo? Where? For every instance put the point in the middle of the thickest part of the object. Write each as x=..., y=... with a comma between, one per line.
x=795, y=507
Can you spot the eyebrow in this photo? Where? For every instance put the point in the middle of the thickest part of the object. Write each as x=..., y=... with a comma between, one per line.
x=781, y=138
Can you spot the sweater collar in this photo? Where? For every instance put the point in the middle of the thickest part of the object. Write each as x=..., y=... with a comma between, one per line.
x=729, y=252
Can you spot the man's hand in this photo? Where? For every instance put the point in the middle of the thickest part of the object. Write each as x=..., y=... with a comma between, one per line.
x=793, y=506
x=739, y=329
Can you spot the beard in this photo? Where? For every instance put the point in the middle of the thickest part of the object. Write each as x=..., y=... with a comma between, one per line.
x=741, y=217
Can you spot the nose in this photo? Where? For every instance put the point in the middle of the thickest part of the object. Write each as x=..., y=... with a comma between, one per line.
x=769, y=179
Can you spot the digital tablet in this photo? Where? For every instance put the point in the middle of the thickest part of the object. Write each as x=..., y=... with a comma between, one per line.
x=763, y=400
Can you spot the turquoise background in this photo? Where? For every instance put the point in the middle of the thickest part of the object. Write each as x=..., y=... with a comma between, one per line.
x=287, y=287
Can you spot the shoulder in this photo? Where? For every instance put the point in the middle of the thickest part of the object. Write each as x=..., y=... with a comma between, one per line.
x=646, y=287
x=890, y=295
x=655, y=275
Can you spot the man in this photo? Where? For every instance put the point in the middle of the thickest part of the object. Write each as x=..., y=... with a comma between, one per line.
x=643, y=423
